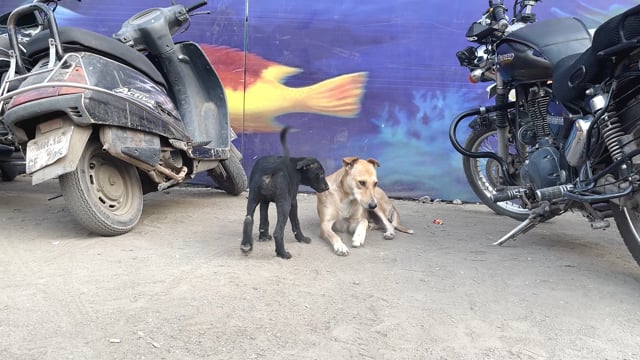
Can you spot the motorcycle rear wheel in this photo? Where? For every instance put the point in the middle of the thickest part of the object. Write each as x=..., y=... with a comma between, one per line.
x=483, y=174
x=229, y=175
x=103, y=193
x=628, y=224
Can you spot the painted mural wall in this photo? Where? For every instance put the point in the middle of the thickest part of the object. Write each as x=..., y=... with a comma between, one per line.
x=372, y=79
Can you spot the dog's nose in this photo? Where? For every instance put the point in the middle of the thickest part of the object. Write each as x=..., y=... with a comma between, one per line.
x=373, y=205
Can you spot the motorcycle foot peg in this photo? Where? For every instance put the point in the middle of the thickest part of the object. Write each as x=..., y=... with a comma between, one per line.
x=507, y=194
x=553, y=193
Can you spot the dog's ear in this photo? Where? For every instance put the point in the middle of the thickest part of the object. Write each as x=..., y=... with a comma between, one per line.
x=374, y=162
x=304, y=163
x=349, y=161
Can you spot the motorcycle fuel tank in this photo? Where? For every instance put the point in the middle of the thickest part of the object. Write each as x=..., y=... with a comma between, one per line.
x=521, y=63
x=528, y=54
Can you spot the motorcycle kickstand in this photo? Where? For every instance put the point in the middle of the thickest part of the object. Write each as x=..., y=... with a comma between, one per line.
x=532, y=221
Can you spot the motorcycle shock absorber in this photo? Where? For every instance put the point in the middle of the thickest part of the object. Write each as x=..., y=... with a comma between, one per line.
x=610, y=128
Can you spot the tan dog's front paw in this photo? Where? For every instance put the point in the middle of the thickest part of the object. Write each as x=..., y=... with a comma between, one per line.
x=341, y=249
x=389, y=235
x=358, y=238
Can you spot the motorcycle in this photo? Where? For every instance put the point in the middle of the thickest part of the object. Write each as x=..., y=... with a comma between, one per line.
x=114, y=118
x=564, y=133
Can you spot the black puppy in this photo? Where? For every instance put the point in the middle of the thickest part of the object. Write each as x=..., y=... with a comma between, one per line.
x=276, y=179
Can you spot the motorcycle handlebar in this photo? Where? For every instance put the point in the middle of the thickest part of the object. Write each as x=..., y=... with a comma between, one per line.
x=499, y=14
x=196, y=6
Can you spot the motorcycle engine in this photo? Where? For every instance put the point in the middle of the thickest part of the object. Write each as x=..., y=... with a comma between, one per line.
x=544, y=168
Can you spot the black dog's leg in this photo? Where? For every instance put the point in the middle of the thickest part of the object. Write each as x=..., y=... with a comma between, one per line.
x=295, y=223
x=247, y=238
x=264, y=222
x=282, y=207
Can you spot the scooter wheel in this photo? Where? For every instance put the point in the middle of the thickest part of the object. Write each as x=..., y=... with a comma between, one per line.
x=103, y=193
x=229, y=175
x=8, y=172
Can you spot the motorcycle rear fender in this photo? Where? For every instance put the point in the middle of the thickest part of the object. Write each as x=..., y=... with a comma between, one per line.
x=68, y=163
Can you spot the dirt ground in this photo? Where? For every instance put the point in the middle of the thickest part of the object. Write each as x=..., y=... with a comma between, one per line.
x=178, y=287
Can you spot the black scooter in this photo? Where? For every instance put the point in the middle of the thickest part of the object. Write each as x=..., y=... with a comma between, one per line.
x=11, y=158
x=114, y=118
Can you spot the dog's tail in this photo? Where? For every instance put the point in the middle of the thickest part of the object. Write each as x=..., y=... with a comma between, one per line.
x=403, y=229
x=394, y=217
x=283, y=141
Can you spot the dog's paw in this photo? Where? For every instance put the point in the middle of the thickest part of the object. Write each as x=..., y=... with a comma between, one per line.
x=302, y=238
x=341, y=249
x=285, y=255
x=357, y=241
x=264, y=237
x=246, y=248
x=389, y=235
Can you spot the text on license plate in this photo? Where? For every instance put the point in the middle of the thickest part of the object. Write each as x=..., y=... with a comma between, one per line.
x=48, y=148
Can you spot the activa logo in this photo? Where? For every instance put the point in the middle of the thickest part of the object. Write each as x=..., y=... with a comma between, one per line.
x=506, y=58
x=142, y=97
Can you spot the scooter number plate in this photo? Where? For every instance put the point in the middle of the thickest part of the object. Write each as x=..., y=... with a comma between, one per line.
x=47, y=149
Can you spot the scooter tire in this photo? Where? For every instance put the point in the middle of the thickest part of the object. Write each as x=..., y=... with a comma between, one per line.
x=229, y=175
x=103, y=193
x=8, y=171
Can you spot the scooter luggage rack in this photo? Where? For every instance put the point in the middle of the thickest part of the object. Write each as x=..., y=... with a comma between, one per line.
x=54, y=41
x=46, y=84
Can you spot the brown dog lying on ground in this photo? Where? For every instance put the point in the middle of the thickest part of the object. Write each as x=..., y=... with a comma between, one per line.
x=353, y=196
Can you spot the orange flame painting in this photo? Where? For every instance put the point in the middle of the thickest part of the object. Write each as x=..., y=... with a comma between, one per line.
x=257, y=96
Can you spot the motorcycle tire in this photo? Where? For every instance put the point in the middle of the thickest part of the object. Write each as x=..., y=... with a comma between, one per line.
x=628, y=224
x=229, y=175
x=8, y=172
x=103, y=193
x=482, y=174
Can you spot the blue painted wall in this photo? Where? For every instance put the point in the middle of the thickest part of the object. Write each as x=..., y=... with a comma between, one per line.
x=389, y=83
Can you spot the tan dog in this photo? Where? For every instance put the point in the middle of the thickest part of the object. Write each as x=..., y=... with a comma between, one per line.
x=352, y=194
x=386, y=217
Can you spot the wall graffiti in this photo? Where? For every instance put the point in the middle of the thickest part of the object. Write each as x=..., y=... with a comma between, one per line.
x=371, y=79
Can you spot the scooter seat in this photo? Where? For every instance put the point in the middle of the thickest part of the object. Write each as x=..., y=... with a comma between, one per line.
x=75, y=39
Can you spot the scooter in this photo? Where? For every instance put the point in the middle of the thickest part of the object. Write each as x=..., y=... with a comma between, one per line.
x=12, y=161
x=115, y=118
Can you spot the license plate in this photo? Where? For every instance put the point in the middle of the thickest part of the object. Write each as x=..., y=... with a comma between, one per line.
x=47, y=148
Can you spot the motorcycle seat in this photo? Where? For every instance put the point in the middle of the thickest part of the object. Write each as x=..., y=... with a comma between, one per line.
x=574, y=74
x=77, y=39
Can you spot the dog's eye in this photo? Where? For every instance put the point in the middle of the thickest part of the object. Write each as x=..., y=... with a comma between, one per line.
x=375, y=184
x=362, y=183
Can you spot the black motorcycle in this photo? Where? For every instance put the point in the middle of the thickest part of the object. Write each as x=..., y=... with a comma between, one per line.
x=564, y=133
x=114, y=118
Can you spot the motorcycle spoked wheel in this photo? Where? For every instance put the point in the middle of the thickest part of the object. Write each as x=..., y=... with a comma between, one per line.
x=628, y=224
x=103, y=193
x=229, y=175
x=483, y=174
